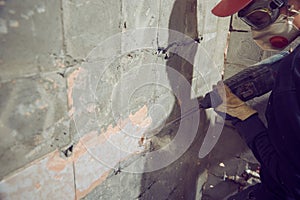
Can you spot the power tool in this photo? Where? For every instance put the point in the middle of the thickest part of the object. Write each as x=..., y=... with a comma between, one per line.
x=251, y=82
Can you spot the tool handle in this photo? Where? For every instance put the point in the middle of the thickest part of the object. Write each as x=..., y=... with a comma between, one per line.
x=251, y=82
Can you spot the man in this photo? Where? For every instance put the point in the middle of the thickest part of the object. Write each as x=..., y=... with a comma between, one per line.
x=274, y=25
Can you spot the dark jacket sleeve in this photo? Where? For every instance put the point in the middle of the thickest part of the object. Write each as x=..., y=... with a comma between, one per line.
x=277, y=147
x=254, y=132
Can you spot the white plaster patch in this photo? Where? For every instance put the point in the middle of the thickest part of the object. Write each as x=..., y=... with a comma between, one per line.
x=31, y=108
x=3, y=26
x=13, y=23
x=12, y=12
x=27, y=15
x=40, y=8
x=148, y=11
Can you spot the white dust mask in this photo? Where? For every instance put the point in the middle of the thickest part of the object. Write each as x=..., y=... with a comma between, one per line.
x=278, y=35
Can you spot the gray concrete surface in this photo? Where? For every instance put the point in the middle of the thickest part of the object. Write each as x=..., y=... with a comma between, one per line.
x=33, y=107
x=44, y=44
x=32, y=37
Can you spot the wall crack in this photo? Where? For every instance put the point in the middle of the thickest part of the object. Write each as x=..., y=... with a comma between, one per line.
x=148, y=188
x=64, y=45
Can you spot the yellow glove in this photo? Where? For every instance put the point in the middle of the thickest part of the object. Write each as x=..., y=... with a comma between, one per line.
x=232, y=105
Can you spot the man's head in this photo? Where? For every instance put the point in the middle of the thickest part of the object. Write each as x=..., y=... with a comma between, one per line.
x=274, y=23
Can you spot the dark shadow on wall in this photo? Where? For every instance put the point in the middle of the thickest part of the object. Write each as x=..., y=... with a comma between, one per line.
x=179, y=179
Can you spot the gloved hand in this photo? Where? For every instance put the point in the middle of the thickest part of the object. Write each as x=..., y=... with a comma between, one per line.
x=232, y=105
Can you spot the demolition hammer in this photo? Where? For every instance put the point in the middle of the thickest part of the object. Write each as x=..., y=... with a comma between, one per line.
x=251, y=82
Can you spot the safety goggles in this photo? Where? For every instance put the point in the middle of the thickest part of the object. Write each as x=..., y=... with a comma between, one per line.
x=261, y=13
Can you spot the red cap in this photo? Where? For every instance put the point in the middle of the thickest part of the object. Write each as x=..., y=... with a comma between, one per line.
x=228, y=7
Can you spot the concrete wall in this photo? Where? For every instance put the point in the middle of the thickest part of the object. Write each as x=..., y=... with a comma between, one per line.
x=92, y=94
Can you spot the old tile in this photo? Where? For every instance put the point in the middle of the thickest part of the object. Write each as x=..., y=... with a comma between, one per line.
x=51, y=177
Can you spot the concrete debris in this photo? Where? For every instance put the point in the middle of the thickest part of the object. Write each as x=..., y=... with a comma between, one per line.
x=248, y=177
x=222, y=164
x=253, y=173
